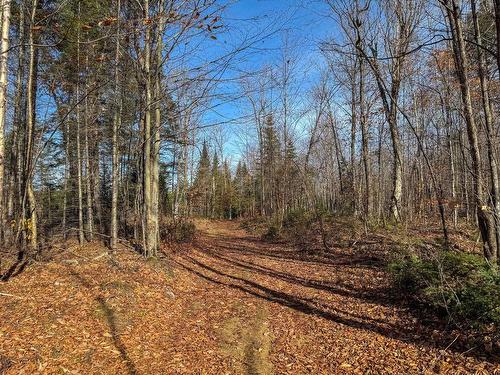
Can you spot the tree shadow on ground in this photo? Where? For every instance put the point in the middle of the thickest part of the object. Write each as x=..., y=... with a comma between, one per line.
x=222, y=263
x=110, y=316
x=379, y=295
x=304, y=305
x=14, y=270
x=334, y=257
x=111, y=320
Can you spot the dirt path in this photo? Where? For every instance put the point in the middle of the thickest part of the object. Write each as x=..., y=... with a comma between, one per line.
x=232, y=304
x=306, y=314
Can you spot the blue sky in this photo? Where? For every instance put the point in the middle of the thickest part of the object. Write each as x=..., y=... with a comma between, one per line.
x=268, y=23
x=302, y=23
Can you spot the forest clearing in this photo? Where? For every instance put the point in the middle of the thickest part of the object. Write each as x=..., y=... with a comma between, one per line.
x=230, y=303
x=250, y=186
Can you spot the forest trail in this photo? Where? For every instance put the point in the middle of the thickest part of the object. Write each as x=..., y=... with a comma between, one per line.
x=230, y=304
x=324, y=313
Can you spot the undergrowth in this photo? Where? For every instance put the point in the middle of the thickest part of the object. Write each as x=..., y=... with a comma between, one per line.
x=462, y=285
x=178, y=231
x=457, y=284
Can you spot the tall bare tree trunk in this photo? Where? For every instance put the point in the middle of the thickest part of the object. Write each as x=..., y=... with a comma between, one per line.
x=4, y=48
x=30, y=221
x=381, y=190
x=66, y=180
x=81, y=237
x=185, y=161
x=96, y=189
x=79, y=171
x=363, y=116
x=149, y=223
x=16, y=162
x=497, y=24
x=397, y=187
x=453, y=181
x=354, y=120
x=406, y=19
x=116, y=149
x=484, y=215
x=88, y=173
x=490, y=132
x=155, y=159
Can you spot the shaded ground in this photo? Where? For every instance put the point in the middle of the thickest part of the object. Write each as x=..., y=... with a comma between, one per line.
x=230, y=304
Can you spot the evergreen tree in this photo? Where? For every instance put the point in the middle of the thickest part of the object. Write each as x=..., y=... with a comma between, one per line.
x=291, y=171
x=200, y=191
x=243, y=190
x=227, y=198
x=271, y=156
x=215, y=197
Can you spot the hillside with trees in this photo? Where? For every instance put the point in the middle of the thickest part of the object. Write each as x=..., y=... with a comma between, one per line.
x=249, y=187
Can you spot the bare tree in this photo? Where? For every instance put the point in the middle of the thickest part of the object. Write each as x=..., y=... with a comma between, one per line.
x=4, y=49
x=117, y=108
x=485, y=217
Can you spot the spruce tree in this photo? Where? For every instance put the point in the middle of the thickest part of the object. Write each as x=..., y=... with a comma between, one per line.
x=201, y=186
x=271, y=155
x=215, y=195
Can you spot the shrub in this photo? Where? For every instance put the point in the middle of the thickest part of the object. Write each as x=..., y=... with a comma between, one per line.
x=185, y=231
x=254, y=225
x=464, y=285
x=179, y=231
x=412, y=274
x=297, y=223
x=272, y=234
x=296, y=218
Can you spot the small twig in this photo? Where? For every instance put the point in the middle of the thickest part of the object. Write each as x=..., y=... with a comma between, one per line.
x=100, y=256
x=10, y=295
x=78, y=255
x=451, y=343
x=469, y=350
x=440, y=354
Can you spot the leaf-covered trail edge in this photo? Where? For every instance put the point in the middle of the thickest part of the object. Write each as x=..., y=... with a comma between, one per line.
x=227, y=304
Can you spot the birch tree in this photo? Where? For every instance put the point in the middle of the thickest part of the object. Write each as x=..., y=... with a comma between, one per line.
x=4, y=52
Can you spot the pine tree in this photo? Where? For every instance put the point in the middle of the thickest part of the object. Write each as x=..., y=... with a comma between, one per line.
x=239, y=185
x=215, y=193
x=201, y=187
x=243, y=190
x=271, y=155
x=290, y=169
x=227, y=197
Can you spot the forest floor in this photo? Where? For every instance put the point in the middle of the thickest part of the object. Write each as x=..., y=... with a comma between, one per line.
x=229, y=303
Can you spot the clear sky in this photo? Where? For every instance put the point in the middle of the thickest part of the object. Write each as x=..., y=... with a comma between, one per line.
x=267, y=24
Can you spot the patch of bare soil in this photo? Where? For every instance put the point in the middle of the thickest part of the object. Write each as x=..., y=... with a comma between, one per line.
x=228, y=304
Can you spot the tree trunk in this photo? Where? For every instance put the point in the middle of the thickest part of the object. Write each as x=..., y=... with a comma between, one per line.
x=66, y=180
x=30, y=221
x=490, y=132
x=453, y=181
x=4, y=48
x=81, y=232
x=497, y=23
x=88, y=173
x=148, y=220
x=155, y=159
x=484, y=215
x=17, y=162
x=364, y=141
x=397, y=177
x=353, y=141
x=116, y=148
